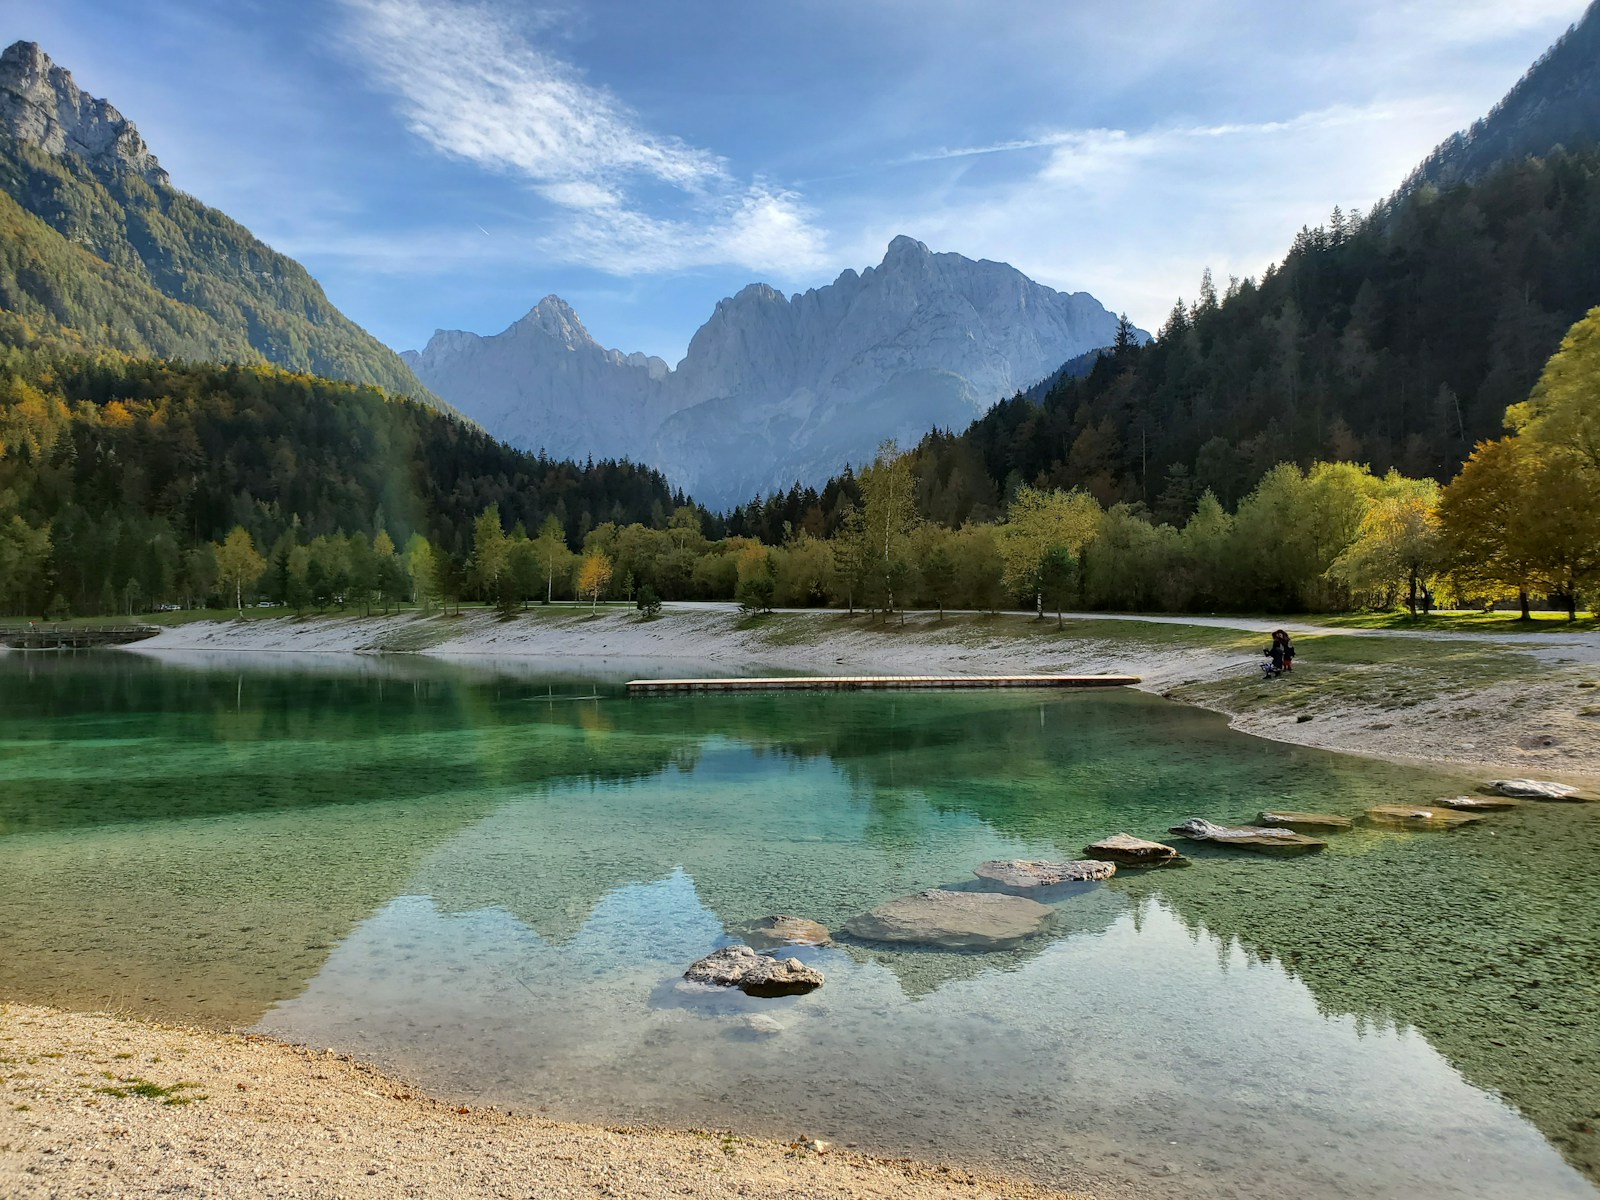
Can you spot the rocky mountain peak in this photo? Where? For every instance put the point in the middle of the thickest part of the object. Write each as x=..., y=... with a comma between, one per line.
x=41, y=106
x=905, y=250
x=555, y=318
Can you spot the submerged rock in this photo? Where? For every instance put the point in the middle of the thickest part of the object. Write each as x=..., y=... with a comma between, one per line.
x=1256, y=838
x=770, y=932
x=757, y=1025
x=1027, y=875
x=754, y=974
x=1302, y=821
x=1534, y=789
x=952, y=920
x=1125, y=850
x=1478, y=803
x=1406, y=816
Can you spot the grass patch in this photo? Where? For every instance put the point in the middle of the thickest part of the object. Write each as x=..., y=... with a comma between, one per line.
x=1464, y=622
x=132, y=1085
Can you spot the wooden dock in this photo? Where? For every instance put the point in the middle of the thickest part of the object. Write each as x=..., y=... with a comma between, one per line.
x=72, y=637
x=875, y=683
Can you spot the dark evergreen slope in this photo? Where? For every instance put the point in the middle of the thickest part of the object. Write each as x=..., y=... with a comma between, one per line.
x=1397, y=340
x=111, y=468
x=98, y=250
x=1556, y=104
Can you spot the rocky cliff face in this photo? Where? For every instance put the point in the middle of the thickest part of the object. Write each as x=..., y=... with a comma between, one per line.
x=545, y=384
x=41, y=106
x=776, y=389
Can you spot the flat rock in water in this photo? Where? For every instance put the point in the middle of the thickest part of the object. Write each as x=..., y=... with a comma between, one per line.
x=1128, y=851
x=1477, y=803
x=952, y=920
x=771, y=932
x=1534, y=789
x=754, y=974
x=1027, y=875
x=1409, y=816
x=1256, y=838
x=1302, y=821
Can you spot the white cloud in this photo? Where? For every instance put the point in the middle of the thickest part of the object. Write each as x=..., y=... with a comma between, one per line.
x=475, y=88
x=1136, y=215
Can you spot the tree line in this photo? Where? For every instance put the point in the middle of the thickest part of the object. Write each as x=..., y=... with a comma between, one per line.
x=126, y=486
x=118, y=476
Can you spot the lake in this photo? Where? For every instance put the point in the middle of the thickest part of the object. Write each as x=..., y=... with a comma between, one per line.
x=489, y=877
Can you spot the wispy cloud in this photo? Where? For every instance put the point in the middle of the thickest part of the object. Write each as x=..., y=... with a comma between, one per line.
x=487, y=95
x=1120, y=143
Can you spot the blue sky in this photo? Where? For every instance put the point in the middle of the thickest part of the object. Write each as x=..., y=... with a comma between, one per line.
x=441, y=163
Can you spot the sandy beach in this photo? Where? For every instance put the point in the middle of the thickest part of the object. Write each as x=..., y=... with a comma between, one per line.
x=97, y=1106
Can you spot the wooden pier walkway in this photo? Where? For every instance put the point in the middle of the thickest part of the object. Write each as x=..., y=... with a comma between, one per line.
x=872, y=683
x=73, y=637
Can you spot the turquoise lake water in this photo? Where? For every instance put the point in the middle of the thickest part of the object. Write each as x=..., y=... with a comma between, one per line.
x=490, y=878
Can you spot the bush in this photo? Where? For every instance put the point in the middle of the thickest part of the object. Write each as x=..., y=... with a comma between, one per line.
x=648, y=603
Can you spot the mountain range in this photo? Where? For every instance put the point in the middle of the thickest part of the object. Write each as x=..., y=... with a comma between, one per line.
x=775, y=389
x=98, y=249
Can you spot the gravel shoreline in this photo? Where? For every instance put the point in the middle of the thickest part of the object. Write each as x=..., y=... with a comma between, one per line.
x=101, y=1106
x=1514, y=705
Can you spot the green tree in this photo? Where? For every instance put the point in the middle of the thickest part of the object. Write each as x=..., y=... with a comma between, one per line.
x=889, y=514
x=422, y=565
x=1038, y=523
x=550, y=551
x=239, y=565
x=1397, y=547
x=491, y=553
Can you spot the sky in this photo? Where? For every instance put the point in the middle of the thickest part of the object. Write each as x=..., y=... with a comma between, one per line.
x=447, y=163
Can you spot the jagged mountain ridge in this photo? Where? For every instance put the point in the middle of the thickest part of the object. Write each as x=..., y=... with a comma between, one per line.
x=98, y=249
x=775, y=388
x=1556, y=103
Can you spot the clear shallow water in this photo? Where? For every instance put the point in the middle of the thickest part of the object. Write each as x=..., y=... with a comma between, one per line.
x=460, y=873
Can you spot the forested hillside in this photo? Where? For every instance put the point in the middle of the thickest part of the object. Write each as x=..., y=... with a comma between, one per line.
x=106, y=253
x=1396, y=339
x=1557, y=103
x=117, y=475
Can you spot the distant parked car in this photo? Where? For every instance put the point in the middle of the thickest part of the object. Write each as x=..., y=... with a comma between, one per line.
x=169, y=608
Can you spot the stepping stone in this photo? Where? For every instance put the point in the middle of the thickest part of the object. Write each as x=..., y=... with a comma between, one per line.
x=1026, y=875
x=755, y=974
x=1406, y=816
x=1302, y=821
x=952, y=920
x=1535, y=789
x=1478, y=803
x=1125, y=850
x=1255, y=838
x=769, y=933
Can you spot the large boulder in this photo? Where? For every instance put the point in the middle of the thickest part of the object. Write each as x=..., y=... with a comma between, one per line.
x=952, y=920
x=1027, y=875
x=1534, y=789
x=1410, y=816
x=754, y=974
x=1125, y=850
x=1304, y=822
x=1256, y=838
x=772, y=932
